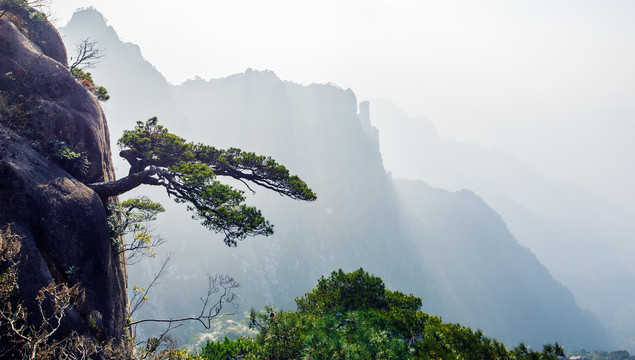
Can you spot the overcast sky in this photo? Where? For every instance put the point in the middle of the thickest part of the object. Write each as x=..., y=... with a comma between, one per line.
x=552, y=82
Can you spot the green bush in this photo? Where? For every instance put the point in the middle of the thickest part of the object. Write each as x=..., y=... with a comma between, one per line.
x=74, y=162
x=86, y=80
x=227, y=349
x=353, y=316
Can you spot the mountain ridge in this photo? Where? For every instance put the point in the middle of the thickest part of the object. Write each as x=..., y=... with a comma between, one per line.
x=358, y=219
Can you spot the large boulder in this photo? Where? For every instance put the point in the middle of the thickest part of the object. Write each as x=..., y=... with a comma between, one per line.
x=62, y=223
x=43, y=101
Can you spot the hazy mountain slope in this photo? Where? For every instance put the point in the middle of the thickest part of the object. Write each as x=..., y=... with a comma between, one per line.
x=486, y=273
x=314, y=131
x=358, y=219
x=578, y=236
x=468, y=266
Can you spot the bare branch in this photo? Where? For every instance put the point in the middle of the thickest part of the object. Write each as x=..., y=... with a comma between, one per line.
x=140, y=247
x=141, y=296
x=87, y=55
x=224, y=284
x=248, y=187
x=52, y=302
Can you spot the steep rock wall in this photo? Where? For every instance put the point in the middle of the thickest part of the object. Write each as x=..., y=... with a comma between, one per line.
x=61, y=221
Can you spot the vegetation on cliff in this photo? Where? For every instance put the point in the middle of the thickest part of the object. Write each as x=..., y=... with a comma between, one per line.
x=67, y=294
x=27, y=333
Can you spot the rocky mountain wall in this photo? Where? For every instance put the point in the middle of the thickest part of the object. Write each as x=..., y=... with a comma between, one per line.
x=44, y=112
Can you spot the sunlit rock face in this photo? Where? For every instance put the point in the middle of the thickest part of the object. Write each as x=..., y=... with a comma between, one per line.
x=62, y=222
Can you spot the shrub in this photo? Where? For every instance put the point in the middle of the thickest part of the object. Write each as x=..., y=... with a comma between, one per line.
x=74, y=162
x=86, y=80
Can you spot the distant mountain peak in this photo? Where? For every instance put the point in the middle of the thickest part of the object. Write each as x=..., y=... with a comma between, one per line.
x=90, y=23
x=89, y=17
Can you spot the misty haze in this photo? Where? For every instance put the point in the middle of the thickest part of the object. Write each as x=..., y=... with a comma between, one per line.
x=474, y=156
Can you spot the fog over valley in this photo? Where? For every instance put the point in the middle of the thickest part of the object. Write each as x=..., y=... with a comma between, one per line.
x=477, y=155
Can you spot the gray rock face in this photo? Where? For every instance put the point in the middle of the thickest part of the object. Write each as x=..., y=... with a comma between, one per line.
x=49, y=103
x=62, y=222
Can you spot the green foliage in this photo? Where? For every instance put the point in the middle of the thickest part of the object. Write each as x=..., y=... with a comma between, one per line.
x=353, y=316
x=169, y=354
x=151, y=144
x=188, y=171
x=86, y=80
x=146, y=208
x=349, y=316
x=280, y=334
x=343, y=292
x=227, y=349
x=447, y=341
x=132, y=217
x=353, y=335
x=101, y=93
x=72, y=161
x=38, y=16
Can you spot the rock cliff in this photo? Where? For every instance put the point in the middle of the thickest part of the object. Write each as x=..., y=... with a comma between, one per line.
x=44, y=111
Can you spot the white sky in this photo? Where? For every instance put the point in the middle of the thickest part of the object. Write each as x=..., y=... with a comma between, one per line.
x=551, y=81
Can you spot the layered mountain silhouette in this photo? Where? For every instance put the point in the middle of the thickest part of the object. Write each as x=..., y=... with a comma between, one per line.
x=449, y=248
x=577, y=235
